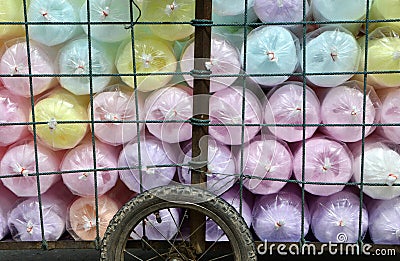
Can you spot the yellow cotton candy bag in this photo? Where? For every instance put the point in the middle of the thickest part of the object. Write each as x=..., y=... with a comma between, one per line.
x=52, y=110
x=385, y=9
x=383, y=55
x=11, y=11
x=152, y=55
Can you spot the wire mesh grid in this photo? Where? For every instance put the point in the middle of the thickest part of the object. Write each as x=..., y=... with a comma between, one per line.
x=130, y=25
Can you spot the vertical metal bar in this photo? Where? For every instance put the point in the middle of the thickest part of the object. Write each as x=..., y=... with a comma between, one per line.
x=243, y=112
x=304, y=105
x=35, y=141
x=96, y=194
x=201, y=87
x=136, y=98
x=365, y=82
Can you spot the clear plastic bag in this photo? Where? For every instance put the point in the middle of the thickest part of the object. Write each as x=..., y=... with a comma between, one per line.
x=24, y=219
x=382, y=10
x=20, y=160
x=265, y=157
x=384, y=223
x=280, y=11
x=224, y=60
x=336, y=218
x=271, y=50
x=169, y=11
x=12, y=11
x=73, y=58
x=235, y=7
x=151, y=55
x=153, y=153
x=155, y=230
x=13, y=109
x=234, y=19
x=62, y=11
x=7, y=201
x=14, y=61
x=221, y=170
x=330, y=50
x=117, y=103
x=226, y=108
x=233, y=34
x=381, y=166
x=170, y=104
x=278, y=217
x=115, y=11
x=344, y=104
x=390, y=114
x=326, y=160
x=54, y=108
x=81, y=213
x=81, y=216
x=283, y=11
x=81, y=158
x=285, y=106
x=342, y=10
x=383, y=55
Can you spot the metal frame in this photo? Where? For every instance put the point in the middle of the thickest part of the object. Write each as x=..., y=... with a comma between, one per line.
x=200, y=121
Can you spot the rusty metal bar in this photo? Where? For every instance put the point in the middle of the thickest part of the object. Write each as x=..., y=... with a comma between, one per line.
x=265, y=249
x=201, y=90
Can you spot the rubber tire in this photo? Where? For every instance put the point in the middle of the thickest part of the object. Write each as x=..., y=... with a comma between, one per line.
x=177, y=196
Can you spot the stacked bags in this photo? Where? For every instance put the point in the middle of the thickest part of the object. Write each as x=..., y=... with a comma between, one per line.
x=86, y=125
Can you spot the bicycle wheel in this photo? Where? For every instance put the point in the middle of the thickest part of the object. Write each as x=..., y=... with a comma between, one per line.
x=149, y=210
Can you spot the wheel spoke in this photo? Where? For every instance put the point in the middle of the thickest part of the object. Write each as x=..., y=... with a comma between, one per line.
x=155, y=257
x=148, y=244
x=132, y=255
x=179, y=228
x=175, y=244
x=230, y=254
x=205, y=252
x=180, y=225
x=169, y=242
x=192, y=233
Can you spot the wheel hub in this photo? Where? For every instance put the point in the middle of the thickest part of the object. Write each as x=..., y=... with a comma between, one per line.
x=176, y=257
x=183, y=252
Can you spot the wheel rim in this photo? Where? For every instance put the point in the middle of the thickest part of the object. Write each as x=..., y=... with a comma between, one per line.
x=180, y=248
